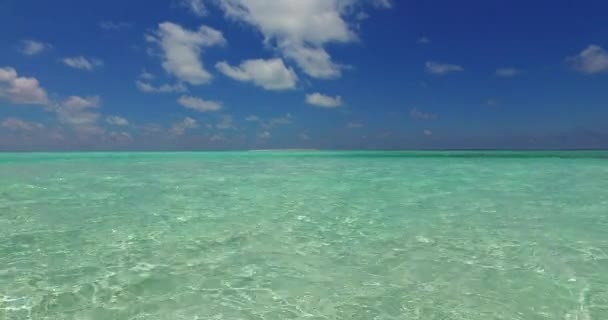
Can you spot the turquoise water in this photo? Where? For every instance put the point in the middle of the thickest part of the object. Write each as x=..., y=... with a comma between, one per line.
x=304, y=235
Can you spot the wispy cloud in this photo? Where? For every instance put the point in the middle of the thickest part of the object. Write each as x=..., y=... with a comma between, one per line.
x=424, y=40
x=420, y=115
x=117, y=121
x=179, y=128
x=82, y=63
x=225, y=122
x=196, y=7
x=199, y=104
x=354, y=125
x=16, y=124
x=145, y=75
x=32, y=47
x=164, y=88
x=442, y=68
x=323, y=101
x=507, y=72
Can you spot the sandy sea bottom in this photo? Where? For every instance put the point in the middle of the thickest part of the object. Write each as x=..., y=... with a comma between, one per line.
x=304, y=236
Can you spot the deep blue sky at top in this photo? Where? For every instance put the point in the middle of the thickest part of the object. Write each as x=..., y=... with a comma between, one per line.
x=414, y=74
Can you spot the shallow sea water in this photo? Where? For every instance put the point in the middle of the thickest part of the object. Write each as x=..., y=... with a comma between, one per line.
x=304, y=235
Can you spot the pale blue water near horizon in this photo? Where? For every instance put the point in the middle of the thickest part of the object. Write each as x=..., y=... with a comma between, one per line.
x=304, y=235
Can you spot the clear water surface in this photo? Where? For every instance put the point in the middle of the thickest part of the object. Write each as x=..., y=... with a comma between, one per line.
x=304, y=235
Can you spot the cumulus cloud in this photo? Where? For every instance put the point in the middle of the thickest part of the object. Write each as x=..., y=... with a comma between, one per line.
x=82, y=63
x=593, y=59
x=323, y=101
x=32, y=47
x=114, y=25
x=77, y=111
x=507, y=72
x=21, y=90
x=301, y=29
x=81, y=115
x=179, y=128
x=117, y=121
x=442, y=68
x=16, y=124
x=269, y=74
x=420, y=115
x=199, y=104
x=182, y=48
x=164, y=88
x=197, y=7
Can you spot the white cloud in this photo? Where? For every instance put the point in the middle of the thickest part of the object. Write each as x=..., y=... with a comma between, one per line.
x=76, y=111
x=114, y=25
x=301, y=29
x=264, y=135
x=165, y=88
x=76, y=102
x=82, y=63
x=197, y=7
x=252, y=118
x=16, y=124
x=593, y=59
x=199, y=104
x=182, y=50
x=303, y=136
x=79, y=113
x=269, y=74
x=179, y=128
x=32, y=47
x=441, y=68
x=428, y=132
x=117, y=121
x=21, y=90
x=417, y=114
x=315, y=61
x=507, y=72
x=323, y=101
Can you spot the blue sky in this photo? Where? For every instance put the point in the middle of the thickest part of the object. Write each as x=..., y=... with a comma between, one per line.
x=328, y=74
